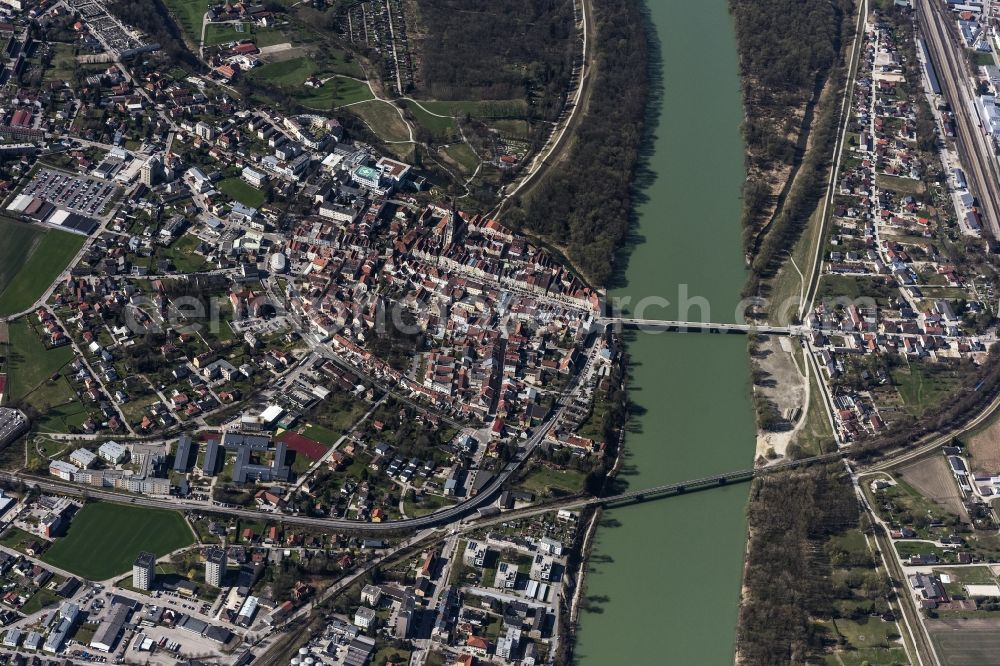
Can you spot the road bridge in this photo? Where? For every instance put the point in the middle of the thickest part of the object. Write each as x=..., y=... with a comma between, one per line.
x=705, y=327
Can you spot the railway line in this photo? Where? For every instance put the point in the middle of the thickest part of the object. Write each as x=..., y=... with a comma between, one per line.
x=981, y=165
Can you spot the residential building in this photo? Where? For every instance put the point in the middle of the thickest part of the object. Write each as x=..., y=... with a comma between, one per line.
x=254, y=177
x=204, y=130
x=83, y=458
x=215, y=566
x=113, y=452
x=151, y=170
x=364, y=617
x=144, y=571
x=63, y=470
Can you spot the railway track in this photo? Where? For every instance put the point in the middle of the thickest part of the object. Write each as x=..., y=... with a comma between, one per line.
x=979, y=163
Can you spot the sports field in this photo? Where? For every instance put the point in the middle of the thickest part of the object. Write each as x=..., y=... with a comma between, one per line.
x=30, y=259
x=104, y=539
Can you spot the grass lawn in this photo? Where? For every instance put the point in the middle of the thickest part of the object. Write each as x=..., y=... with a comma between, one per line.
x=292, y=72
x=181, y=253
x=189, y=14
x=833, y=287
x=61, y=67
x=336, y=92
x=389, y=654
x=464, y=156
x=242, y=191
x=442, y=125
x=31, y=258
x=321, y=434
x=514, y=129
x=17, y=539
x=60, y=409
x=223, y=33
x=897, y=184
x=923, y=385
x=543, y=480
x=383, y=119
x=104, y=539
x=39, y=600
x=509, y=108
x=29, y=363
x=982, y=59
x=908, y=548
x=429, y=504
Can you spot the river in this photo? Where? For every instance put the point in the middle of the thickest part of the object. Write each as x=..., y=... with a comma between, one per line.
x=664, y=578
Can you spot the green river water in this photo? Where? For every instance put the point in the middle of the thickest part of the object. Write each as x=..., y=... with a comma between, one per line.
x=664, y=578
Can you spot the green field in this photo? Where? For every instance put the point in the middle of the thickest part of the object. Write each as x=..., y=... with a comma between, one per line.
x=441, y=126
x=510, y=108
x=223, y=33
x=242, y=191
x=104, y=539
x=336, y=92
x=383, y=119
x=923, y=385
x=292, y=72
x=30, y=259
x=898, y=184
x=464, y=156
x=189, y=14
x=61, y=67
x=30, y=364
x=544, y=480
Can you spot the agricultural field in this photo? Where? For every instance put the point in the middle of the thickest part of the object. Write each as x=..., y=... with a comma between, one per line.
x=965, y=642
x=984, y=448
x=31, y=258
x=383, y=119
x=931, y=477
x=104, y=539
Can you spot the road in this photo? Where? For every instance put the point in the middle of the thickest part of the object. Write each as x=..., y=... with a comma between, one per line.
x=912, y=618
x=446, y=516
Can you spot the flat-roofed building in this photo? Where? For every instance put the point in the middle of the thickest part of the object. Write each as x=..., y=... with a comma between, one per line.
x=182, y=455
x=113, y=452
x=215, y=566
x=110, y=629
x=83, y=457
x=144, y=571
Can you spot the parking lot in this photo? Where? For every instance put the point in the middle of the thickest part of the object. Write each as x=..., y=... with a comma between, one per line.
x=77, y=194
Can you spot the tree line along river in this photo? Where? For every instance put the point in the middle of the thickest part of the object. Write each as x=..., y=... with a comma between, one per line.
x=664, y=578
